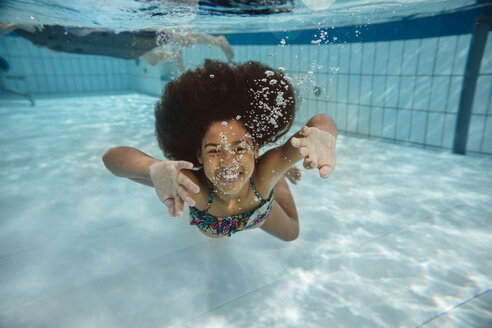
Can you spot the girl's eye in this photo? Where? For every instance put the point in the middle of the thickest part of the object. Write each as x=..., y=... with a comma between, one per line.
x=241, y=149
x=213, y=151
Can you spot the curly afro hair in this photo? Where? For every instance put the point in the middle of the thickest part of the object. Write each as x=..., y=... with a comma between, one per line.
x=252, y=93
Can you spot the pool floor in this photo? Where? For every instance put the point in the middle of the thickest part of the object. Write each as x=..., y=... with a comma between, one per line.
x=397, y=237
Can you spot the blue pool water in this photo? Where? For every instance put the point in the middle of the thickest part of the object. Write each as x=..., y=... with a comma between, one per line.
x=389, y=240
x=398, y=236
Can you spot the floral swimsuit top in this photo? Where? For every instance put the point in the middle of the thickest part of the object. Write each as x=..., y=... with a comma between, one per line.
x=225, y=226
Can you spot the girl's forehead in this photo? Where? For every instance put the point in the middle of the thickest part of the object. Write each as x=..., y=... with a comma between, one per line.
x=230, y=131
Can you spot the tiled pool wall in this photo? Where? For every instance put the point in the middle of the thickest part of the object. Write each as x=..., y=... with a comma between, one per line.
x=399, y=81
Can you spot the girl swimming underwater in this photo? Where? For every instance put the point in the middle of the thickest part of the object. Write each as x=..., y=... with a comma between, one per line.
x=211, y=122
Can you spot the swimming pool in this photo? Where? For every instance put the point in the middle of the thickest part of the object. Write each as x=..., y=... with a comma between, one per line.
x=399, y=235
x=393, y=240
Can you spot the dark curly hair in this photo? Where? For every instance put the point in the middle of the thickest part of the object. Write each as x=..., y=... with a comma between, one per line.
x=252, y=93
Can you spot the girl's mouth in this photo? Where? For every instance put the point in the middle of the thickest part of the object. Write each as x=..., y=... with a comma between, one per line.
x=229, y=177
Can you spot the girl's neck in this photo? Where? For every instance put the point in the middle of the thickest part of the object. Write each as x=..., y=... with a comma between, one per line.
x=231, y=197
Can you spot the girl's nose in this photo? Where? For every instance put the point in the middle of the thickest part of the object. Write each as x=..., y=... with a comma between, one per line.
x=229, y=160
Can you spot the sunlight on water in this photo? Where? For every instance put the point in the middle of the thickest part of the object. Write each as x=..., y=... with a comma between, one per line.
x=123, y=15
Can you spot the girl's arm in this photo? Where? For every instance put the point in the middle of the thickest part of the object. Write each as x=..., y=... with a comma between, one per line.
x=131, y=163
x=172, y=184
x=315, y=143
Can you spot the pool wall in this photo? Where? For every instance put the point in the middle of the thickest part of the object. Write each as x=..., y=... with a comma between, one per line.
x=399, y=81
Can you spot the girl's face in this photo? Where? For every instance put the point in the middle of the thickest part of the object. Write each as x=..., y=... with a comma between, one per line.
x=228, y=156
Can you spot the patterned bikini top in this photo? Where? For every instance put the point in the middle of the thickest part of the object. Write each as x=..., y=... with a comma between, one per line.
x=225, y=226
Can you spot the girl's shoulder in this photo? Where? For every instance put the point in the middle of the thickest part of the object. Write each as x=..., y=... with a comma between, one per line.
x=262, y=185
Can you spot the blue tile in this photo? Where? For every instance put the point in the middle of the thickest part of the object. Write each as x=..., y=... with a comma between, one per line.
x=376, y=121
x=459, y=23
x=389, y=123
x=79, y=84
x=427, y=56
x=341, y=121
x=356, y=58
x=435, y=127
x=16, y=66
x=391, y=93
x=52, y=85
x=75, y=66
x=487, y=138
x=454, y=94
x=439, y=93
x=342, y=95
x=42, y=85
x=344, y=58
x=476, y=133
x=87, y=83
x=369, y=50
x=57, y=67
x=333, y=57
x=354, y=89
x=331, y=87
x=445, y=54
x=449, y=130
x=461, y=55
x=483, y=93
x=395, y=57
x=31, y=67
x=410, y=55
x=424, y=27
x=366, y=90
x=379, y=88
x=382, y=58
x=486, y=67
x=403, y=125
x=70, y=83
x=106, y=81
x=422, y=93
x=392, y=30
x=417, y=132
x=363, y=122
x=327, y=108
x=352, y=118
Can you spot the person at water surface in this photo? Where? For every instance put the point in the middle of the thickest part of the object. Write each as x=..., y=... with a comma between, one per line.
x=210, y=124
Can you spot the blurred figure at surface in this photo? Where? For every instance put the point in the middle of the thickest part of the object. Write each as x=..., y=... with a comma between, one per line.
x=4, y=68
x=152, y=46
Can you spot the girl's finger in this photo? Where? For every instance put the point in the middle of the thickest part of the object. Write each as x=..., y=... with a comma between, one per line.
x=188, y=183
x=178, y=206
x=325, y=171
x=309, y=163
x=184, y=165
x=303, y=151
x=185, y=196
x=170, y=206
x=306, y=130
x=298, y=142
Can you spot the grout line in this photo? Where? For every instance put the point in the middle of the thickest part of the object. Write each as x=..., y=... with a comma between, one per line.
x=87, y=235
x=101, y=278
x=294, y=272
x=454, y=307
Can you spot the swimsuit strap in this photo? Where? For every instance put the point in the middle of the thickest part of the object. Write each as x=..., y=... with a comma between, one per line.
x=210, y=199
x=255, y=191
x=211, y=195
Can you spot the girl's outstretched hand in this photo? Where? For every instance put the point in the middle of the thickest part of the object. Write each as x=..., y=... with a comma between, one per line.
x=172, y=186
x=318, y=149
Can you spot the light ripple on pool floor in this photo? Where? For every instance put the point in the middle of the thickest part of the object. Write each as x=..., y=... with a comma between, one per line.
x=395, y=237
